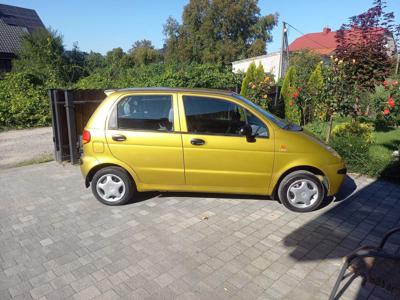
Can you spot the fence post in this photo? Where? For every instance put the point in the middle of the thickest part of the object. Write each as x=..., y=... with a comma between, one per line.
x=69, y=107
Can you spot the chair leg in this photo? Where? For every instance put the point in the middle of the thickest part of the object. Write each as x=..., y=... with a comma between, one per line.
x=338, y=281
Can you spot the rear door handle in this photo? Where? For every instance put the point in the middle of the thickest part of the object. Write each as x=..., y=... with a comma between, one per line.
x=197, y=142
x=119, y=137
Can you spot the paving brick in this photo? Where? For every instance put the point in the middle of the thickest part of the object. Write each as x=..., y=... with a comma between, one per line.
x=60, y=243
x=88, y=293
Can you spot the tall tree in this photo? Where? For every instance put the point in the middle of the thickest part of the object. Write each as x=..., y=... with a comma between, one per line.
x=218, y=31
x=42, y=55
x=363, y=46
x=143, y=53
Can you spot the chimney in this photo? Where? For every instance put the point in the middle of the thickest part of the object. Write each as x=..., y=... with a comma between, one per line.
x=326, y=30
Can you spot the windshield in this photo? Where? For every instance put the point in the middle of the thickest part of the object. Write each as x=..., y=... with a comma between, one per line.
x=278, y=121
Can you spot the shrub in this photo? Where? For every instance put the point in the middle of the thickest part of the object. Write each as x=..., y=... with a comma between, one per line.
x=354, y=151
x=23, y=103
x=363, y=131
x=289, y=93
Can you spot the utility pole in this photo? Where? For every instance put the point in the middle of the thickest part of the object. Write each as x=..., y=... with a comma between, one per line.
x=283, y=59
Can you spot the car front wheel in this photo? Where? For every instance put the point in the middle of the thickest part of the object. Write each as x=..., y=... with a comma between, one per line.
x=112, y=186
x=301, y=191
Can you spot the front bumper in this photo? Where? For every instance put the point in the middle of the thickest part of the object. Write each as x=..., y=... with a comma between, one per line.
x=335, y=174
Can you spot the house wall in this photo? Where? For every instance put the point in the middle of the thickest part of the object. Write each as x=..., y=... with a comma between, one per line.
x=270, y=62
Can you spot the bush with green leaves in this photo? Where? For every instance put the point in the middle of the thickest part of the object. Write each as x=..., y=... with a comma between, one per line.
x=23, y=101
x=166, y=75
x=362, y=130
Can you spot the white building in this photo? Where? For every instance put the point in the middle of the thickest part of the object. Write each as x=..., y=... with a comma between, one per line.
x=270, y=62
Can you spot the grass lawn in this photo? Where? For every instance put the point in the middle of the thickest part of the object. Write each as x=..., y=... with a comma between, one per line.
x=381, y=162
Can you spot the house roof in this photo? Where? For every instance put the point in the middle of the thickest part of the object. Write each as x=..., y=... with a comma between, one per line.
x=9, y=37
x=21, y=17
x=322, y=43
x=325, y=43
x=14, y=21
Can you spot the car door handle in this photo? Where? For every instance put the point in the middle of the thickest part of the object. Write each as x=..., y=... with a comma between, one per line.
x=197, y=142
x=119, y=137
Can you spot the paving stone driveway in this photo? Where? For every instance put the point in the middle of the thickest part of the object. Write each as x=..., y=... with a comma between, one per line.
x=57, y=241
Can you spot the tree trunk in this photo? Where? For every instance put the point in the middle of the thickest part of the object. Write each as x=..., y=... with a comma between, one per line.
x=329, y=129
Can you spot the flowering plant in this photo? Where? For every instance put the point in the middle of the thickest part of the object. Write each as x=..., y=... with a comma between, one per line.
x=258, y=91
x=391, y=108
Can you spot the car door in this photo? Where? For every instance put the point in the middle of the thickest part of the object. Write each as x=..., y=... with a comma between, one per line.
x=143, y=131
x=217, y=157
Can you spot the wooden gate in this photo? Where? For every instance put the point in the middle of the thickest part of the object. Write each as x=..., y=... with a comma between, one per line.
x=71, y=109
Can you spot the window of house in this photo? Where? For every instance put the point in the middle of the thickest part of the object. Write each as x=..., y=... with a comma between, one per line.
x=146, y=112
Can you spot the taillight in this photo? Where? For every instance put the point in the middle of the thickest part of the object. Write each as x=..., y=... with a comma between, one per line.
x=85, y=136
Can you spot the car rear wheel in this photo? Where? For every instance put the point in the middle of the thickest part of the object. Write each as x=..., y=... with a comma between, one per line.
x=112, y=186
x=301, y=191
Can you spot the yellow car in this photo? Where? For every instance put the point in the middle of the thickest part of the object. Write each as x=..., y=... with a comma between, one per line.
x=193, y=140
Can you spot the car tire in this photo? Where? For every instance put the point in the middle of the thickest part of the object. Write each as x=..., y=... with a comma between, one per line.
x=301, y=191
x=113, y=186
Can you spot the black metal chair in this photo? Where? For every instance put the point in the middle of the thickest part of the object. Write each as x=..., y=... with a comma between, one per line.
x=374, y=264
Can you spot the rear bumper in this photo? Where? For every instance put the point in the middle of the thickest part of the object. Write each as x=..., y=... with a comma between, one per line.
x=86, y=164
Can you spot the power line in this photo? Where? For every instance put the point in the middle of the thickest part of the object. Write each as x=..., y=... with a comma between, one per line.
x=307, y=37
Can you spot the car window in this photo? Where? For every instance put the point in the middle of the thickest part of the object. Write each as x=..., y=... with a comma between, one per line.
x=215, y=116
x=146, y=112
x=257, y=126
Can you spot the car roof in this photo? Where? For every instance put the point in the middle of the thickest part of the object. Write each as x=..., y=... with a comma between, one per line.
x=172, y=90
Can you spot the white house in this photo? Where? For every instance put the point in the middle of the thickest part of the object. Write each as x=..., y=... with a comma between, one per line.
x=270, y=62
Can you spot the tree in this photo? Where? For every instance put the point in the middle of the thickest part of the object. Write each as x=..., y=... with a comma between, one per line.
x=143, y=53
x=42, y=55
x=248, y=78
x=74, y=64
x=363, y=41
x=315, y=89
x=94, y=61
x=290, y=93
x=117, y=59
x=218, y=31
x=305, y=62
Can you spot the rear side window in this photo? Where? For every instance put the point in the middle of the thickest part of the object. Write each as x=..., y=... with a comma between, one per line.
x=146, y=112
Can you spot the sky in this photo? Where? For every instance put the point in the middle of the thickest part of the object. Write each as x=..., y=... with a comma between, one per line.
x=101, y=25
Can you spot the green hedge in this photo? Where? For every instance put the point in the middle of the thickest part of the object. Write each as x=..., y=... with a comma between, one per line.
x=23, y=102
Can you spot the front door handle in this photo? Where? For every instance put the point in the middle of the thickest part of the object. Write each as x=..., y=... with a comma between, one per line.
x=197, y=142
x=119, y=137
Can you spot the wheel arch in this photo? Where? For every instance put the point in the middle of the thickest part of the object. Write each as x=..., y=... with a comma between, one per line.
x=310, y=169
x=100, y=166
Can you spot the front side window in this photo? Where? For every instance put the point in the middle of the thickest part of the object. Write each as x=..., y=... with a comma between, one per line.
x=146, y=112
x=214, y=116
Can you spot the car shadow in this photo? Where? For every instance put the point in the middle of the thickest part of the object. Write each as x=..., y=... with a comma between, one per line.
x=359, y=216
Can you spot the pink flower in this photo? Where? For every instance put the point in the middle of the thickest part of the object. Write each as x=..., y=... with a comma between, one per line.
x=391, y=102
x=386, y=111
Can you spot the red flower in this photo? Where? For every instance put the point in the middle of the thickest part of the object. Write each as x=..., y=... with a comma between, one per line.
x=391, y=102
x=291, y=103
x=394, y=82
x=296, y=95
x=385, y=83
x=386, y=111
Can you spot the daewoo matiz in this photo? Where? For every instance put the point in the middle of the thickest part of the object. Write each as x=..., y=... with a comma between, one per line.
x=191, y=140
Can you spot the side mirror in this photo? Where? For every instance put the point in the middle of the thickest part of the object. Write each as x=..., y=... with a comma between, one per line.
x=247, y=131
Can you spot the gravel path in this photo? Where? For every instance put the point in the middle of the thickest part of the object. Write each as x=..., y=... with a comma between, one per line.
x=21, y=146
